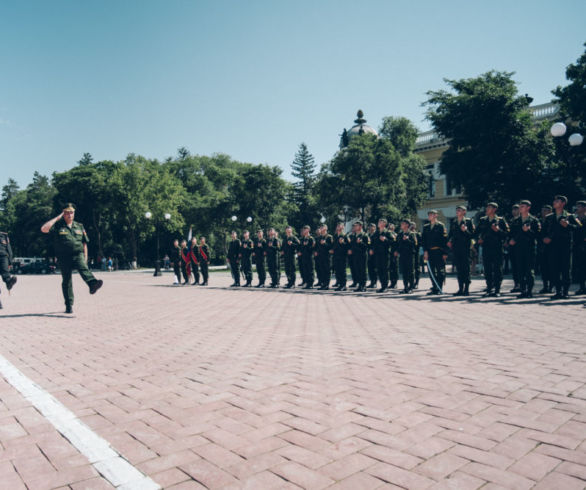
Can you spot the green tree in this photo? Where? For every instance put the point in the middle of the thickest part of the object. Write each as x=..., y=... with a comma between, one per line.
x=495, y=153
x=572, y=97
x=86, y=159
x=303, y=196
x=401, y=132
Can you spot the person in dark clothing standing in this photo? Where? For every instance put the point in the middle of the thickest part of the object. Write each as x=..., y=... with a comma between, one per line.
x=259, y=253
x=393, y=261
x=6, y=261
x=559, y=227
x=459, y=240
x=371, y=261
x=381, y=242
x=204, y=260
x=306, y=249
x=359, y=244
x=418, y=254
x=543, y=253
x=405, y=250
x=340, y=257
x=71, y=249
x=525, y=230
x=513, y=255
x=194, y=261
x=176, y=261
x=185, y=262
x=234, y=259
x=246, y=249
x=289, y=252
x=435, y=239
x=580, y=247
x=492, y=231
x=273, y=254
x=323, y=264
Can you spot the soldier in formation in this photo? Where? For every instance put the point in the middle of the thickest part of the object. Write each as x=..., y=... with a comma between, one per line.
x=6, y=261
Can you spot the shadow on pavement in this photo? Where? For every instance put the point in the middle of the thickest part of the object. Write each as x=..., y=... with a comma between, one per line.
x=46, y=315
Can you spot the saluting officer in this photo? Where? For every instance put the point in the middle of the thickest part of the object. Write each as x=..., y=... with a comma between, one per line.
x=525, y=231
x=204, y=259
x=371, y=263
x=289, y=252
x=246, y=248
x=381, y=242
x=323, y=264
x=71, y=250
x=6, y=261
x=273, y=253
x=359, y=244
x=406, y=250
x=580, y=247
x=340, y=254
x=559, y=226
x=259, y=253
x=234, y=259
x=543, y=253
x=492, y=231
x=305, y=252
x=435, y=238
x=459, y=240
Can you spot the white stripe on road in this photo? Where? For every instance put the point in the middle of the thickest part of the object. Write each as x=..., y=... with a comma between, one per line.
x=108, y=462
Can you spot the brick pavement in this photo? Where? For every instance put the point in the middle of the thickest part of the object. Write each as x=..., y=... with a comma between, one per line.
x=222, y=388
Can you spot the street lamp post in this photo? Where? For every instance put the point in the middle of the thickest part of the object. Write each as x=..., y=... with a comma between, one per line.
x=167, y=216
x=559, y=129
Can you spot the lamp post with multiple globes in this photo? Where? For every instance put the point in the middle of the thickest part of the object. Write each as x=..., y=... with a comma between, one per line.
x=167, y=216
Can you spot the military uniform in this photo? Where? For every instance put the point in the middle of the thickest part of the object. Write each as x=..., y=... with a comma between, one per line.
x=306, y=247
x=246, y=248
x=417, y=257
x=371, y=263
x=349, y=238
x=393, y=263
x=5, y=261
x=461, y=241
x=323, y=264
x=69, y=247
x=560, y=249
x=359, y=244
x=580, y=254
x=340, y=257
x=259, y=253
x=194, y=264
x=492, y=251
x=233, y=257
x=381, y=243
x=407, y=247
x=543, y=260
x=273, y=252
x=525, y=233
x=204, y=262
x=435, y=239
x=176, y=261
x=289, y=251
x=186, y=264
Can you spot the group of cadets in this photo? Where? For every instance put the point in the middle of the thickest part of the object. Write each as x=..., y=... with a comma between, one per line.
x=190, y=257
x=382, y=254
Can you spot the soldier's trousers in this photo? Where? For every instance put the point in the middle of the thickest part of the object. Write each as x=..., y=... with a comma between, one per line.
x=67, y=265
x=323, y=267
x=340, y=270
x=560, y=264
x=462, y=263
x=274, y=270
x=307, y=270
x=247, y=269
x=372, y=270
x=359, y=269
x=544, y=266
x=290, y=269
x=393, y=270
x=235, y=270
x=525, y=259
x=177, y=271
x=261, y=271
x=184, y=272
x=514, y=255
x=417, y=265
x=300, y=268
x=406, y=263
x=580, y=258
x=204, y=266
x=438, y=267
x=493, y=270
x=195, y=271
x=352, y=269
x=4, y=268
x=382, y=268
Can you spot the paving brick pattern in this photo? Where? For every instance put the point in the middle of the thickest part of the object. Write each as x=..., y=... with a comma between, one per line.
x=221, y=388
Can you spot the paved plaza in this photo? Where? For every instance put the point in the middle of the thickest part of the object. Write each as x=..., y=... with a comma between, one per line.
x=222, y=388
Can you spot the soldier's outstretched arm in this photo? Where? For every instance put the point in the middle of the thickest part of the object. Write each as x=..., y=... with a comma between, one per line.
x=49, y=224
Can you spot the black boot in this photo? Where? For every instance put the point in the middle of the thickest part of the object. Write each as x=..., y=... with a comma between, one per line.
x=466, y=291
x=11, y=282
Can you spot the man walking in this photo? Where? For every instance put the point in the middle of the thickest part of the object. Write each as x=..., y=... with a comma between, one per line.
x=289, y=252
x=492, y=232
x=435, y=251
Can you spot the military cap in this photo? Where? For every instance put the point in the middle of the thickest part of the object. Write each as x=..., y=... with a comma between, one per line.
x=526, y=202
x=564, y=199
x=371, y=224
x=463, y=208
x=515, y=206
x=581, y=203
x=383, y=220
x=492, y=204
x=406, y=220
x=358, y=223
x=547, y=206
x=434, y=211
x=69, y=207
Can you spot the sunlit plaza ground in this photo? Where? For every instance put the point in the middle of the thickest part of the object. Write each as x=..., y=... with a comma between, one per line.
x=245, y=388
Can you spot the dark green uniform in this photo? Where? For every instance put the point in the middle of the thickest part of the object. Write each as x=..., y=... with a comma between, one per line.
x=418, y=257
x=580, y=254
x=492, y=250
x=371, y=263
x=393, y=263
x=289, y=251
x=194, y=262
x=245, y=255
x=407, y=247
x=381, y=243
x=323, y=263
x=273, y=254
x=5, y=257
x=543, y=261
x=233, y=257
x=204, y=262
x=435, y=239
x=349, y=238
x=461, y=241
x=69, y=241
x=176, y=261
x=525, y=232
x=307, y=247
x=560, y=249
x=359, y=244
x=260, y=252
x=340, y=257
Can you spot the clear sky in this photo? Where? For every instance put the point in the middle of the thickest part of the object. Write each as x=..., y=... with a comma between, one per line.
x=250, y=78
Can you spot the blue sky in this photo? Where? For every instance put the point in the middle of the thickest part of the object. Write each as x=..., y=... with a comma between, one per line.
x=252, y=79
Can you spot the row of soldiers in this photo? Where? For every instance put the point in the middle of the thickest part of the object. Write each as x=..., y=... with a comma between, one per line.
x=383, y=252
x=190, y=257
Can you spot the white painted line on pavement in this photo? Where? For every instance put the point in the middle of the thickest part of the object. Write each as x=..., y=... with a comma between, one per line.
x=108, y=462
